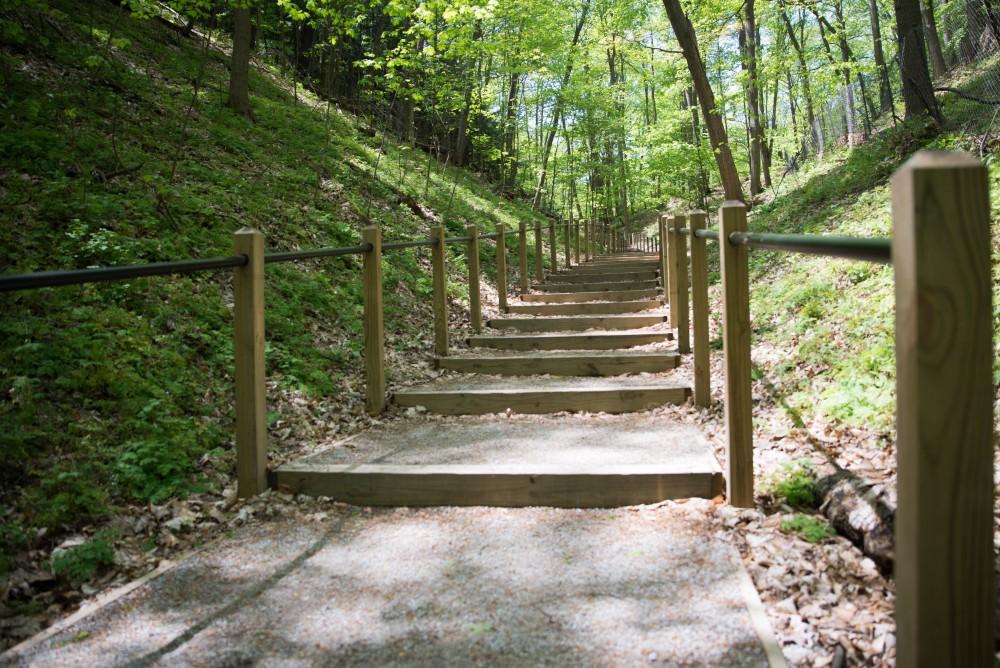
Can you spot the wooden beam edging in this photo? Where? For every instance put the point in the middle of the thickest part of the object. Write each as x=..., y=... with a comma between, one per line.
x=681, y=266
x=944, y=571
x=439, y=282
x=501, y=267
x=736, y=347
x=374, y=331
x=699, y=312
x=522, y=257
x=250, y=372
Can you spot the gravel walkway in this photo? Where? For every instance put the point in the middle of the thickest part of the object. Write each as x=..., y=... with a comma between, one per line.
x=348, y=586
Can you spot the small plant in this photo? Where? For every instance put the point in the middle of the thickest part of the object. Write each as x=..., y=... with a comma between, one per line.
x=809, y=527
x=81, y=563
x=795, y=482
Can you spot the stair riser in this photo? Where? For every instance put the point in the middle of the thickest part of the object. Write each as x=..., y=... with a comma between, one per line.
x=555, y=366
x=583, y=309
x=597, y=286
x=540, y=403
x=596, y=342
x=570, y=297
x=372, y=487
x=603, y=277
x=576, y=324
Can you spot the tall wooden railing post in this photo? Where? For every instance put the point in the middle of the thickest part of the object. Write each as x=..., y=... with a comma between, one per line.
x=553, y=248
x=665, y=262
x=539, y=254
x=472, y=252
x=681, y=264
x=566, y=241
x=373, y=322
x=588, y=251
x=502, y=267
x=576, y=241
x=697, y=220
x=439, y=285
x=945, y=596
x=736, y=347
x=522, y=257
x=251, y=379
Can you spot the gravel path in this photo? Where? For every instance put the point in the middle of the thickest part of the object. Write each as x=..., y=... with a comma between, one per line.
x=346, y=586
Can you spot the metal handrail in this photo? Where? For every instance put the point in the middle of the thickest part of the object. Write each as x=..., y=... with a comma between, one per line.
x=852, y=248
x=295, y=256
x=393, y=245
x=50, y=279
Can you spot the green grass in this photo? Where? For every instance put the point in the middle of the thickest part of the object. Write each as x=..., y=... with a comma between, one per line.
x=795, y=483
x=833, y=320
x=809, y=527
x=112, y=393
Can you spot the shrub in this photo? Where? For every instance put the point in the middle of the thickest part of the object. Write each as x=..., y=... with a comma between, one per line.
x=83, y=562
x=795, y=482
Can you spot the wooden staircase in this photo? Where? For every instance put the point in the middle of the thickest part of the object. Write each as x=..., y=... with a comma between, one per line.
x=591, y=339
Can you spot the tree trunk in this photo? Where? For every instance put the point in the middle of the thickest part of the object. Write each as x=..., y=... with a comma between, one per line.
x=933, y=42
x=557, y=109
x=814, y=136
x=918, y=93
x=239, y=72
x=717, y=134
x=748, y=40
x=884, y=87
x=510, y=127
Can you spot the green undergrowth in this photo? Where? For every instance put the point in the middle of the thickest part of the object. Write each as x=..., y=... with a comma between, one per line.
x=116, y=147
x=832, y=321
x=811, y=528
x=795, y=484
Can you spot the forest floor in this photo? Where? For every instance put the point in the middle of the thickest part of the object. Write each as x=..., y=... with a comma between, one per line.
x=118, y=454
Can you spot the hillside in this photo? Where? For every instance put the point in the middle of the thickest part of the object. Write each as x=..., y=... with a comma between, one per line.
x=117, y=149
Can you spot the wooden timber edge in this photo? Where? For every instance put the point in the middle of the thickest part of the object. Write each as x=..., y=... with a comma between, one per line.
x=484, y=485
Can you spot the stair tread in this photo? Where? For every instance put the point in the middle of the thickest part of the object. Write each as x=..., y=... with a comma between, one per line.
x=491, y=384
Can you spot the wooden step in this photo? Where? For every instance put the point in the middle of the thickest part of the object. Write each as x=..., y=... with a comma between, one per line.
x=594, y=276
x=569, y=297
x=620, y=460
x=584, y=308
x=610, y=341
x=580, y=364
x=597, y=286
x=539, y=399
x=579, y=323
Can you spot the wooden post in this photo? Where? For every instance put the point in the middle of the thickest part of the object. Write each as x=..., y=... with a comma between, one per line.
x=373, y=322
x=699, y=312
x=945, y=596
x=439, y=281
x=539, y=253
x=566, y=242
x=553, y=248
x=251, y=379
x=522, y=257
x=672, y=270
x=501, y=267
x=576, y=241
x=475, y=308
x=588, y=251
x=736, y=347
x=681, y=285
x=665, y=263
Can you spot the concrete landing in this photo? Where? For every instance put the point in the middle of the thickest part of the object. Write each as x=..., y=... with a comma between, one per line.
x=438, y=587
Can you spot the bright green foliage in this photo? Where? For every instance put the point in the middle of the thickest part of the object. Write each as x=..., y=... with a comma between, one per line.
x=813, y=529
x=795, y=482
x=83, y=562
x=111, y=393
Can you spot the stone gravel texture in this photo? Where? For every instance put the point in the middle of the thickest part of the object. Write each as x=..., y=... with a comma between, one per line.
x=650, y=585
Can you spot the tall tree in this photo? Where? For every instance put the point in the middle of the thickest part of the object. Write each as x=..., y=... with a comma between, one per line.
x=884, y=87
x=685, y=34
x=748, y=44
x=918, y=93
x=803, y=69
x=558, y=107
x=239, y=71
x=933, y=42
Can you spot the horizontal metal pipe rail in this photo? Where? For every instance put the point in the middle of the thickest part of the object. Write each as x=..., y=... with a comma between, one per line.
x=851, y=248
x=394, y=245
x=50, y=279
x=296, y=256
